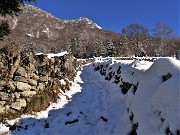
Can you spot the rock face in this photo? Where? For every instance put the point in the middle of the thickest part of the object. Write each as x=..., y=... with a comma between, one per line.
x=26, y=79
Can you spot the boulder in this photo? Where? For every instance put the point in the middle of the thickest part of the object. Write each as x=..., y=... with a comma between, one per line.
x=22, y=102
x=33, y=88
x=12, y=71
x=4, y=96
x=25, y=80
x=18, y=104
x=3, y=83
x=41, y=87
x=12, y=96
x=32, y=82
x=34, y=76
x=17, y=95
x=17, y=61
x=4, y=109
x=28, y=93
x=2, y=103
x=11, y=85
x=20, y=79
x=43, y=79
x=1, y=64
x=23, y=86
x=21, y=72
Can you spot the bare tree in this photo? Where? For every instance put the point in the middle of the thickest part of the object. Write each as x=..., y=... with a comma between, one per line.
x=137, y=35
x=163, y=30
x=163, y=34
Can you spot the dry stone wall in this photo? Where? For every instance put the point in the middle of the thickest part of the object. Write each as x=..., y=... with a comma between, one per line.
x=24, y=75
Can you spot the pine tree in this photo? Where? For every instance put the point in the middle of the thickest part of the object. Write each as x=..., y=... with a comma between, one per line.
x=110, y=49
x=103, y=51
x=53, y=50
x=98, y=45
x=75, y=47
x=124, y=43
x=4, y=29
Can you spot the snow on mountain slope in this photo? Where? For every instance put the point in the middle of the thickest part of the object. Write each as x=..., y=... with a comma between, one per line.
x=98, y=106
x=89, y=22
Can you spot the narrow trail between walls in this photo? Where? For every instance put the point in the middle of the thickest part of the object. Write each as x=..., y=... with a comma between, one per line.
x=98, y=108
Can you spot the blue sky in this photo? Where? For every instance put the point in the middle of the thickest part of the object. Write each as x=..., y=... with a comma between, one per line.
x=115, y=14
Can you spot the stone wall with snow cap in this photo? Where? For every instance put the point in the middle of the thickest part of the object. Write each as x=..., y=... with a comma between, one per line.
x=163, y=66
x=151, y=92
x=24, y=75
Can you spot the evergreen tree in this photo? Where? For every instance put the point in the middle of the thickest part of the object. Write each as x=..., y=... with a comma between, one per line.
x=97, y=45
x=75, y=46
x=4, y=29
x=12, y=8
x=53, y=50
x=103, y=51
x=124, y=43
x=110, y=49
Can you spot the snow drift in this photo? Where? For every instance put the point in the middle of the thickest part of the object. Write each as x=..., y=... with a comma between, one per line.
x=152, y=97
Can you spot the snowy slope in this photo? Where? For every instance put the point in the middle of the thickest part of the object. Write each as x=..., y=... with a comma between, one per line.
x=97, y=106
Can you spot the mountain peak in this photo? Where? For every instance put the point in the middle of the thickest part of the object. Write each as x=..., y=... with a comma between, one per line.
x=84, y=18
x=88, y=22
x=45, y=31
x=31, y=7
x=36, y=10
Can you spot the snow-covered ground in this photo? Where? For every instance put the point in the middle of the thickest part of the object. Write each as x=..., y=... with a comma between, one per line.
x=155, y=105
x=97, y=106
x=50, y=55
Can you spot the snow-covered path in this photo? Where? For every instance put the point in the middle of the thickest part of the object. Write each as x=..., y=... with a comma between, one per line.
x=98, y=108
